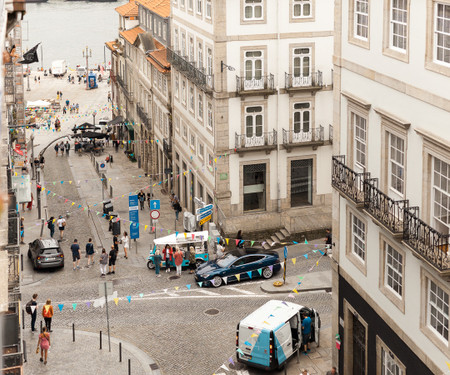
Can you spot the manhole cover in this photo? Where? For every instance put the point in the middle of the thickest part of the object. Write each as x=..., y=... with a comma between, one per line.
x=154, y=366
x=174, y=277
x=124, y=281
x=212, y=312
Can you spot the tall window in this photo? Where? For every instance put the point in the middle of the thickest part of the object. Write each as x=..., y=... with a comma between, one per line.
x=208, y=9
x=183, y=44
x=254, y=126
x=253, y=9
x=200, y=55
x=253, y=70
x=397, y=163
x=441, y=194
x=190, y=4
x=201, y=150
x=358, y=238
x=361, y=19
x=394, y=270
x=389, y=365
x=177, y=85
x=301, y=182
x=199, y=6
x=183, y=92
x=302, y=67
x=209, y=61
x=360, y=141
x=301, y=8
x=210, y=116
x=191, y=99
x=442, y=33
x=437, y=317
x=176, y=42
x=191, y=49
x=399, y=24
x=254, y=187
x=200, y=107
x=302, y=119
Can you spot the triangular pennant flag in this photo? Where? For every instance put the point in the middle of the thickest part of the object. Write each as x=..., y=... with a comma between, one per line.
x=266, y=322
x=260, y=271
x=218, y=239
x=32, y=309
x=188, y=286
x=240, y=351
x=88, y=304
x=224, y=367
x=254, y=335
x=282, y=265
x=176, y=234
x=60, y=306
x=237, y=242
x=448, y=364
x=271, y=267
x=306, y=256
x=226, y=239
x=200, y=283
x=294, y=242
x=291, y=295
x=238, y=277
x=145, y=227
x=185, y=235
x=225, y=279
x=74, y=305
x=248, y=343
x=249, y=273
x=317, y=263
x=251, y=243
x=295, y=291
x=294, y=260
x=129, y=299
x=116, y=301
x=231, y=360
x=141, y=295
x=306, y=242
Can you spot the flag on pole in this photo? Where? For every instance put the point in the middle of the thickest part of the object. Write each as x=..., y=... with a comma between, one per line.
x=30, y=56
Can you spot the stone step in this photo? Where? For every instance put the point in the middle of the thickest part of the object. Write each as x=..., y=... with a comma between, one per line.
x=280, y=236
x=266, y=246
x=269, y=242
x=274, y=239
x=285, y=232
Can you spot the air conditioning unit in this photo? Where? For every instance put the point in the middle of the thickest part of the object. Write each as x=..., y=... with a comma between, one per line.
x=189, y=222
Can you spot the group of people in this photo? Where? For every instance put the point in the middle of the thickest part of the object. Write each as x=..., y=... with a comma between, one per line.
x=73, y=108
x=61, y=147
x=142, y=198
x=61, y=223
x=171, y=257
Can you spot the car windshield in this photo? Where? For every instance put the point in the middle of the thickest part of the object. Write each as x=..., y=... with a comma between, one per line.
x=49, y=251
x=226, y=260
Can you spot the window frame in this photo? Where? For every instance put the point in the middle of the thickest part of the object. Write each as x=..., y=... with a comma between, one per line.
x=302, y=3
x=200, y=112
x=352, y=22
x=381, y=348
x=439, y=189
x=208, y=5
x=436, y=32
x=210, y=116
x=388, y=48
x=356, y=259
x=430, y=54
x=266, y=192
x=191, y=94
x=245, y=20
x=400, y=166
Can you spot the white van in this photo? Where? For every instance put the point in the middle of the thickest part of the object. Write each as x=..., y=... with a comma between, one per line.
x=272, y=334
x=103, y=123
x=59, y=68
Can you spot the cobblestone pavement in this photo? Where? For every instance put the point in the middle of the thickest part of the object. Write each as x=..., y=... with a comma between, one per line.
x=164, y=318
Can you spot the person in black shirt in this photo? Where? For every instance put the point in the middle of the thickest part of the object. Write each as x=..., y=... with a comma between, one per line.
x=112, y=260
x=141, y=198
x=75, y=254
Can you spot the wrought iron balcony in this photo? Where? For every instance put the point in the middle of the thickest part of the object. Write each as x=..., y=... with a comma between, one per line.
x=143, y=115
x=263, y=85
x=426, y=241
x=301, y=82
x=264, y=141
x=197, y=75
x=13, y=267
x=12, y=348
x=347, y=181
x=313, y=137
x=167, y=147
x=382, y=208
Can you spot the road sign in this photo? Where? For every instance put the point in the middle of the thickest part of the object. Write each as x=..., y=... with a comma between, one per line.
x=209, y=207
x=154, y=214
x=203, y=215
x=285, y=252
x=155, y=204
x=134, y=216
x=203, y=221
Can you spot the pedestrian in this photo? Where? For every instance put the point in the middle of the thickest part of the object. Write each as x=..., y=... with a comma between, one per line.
x=67, y=103
x=57, y=95
x=64, y=110
x=179, y=257
x=116, y=145
x=103, y=262
x=90, y=252
x=30, y=203
x=61, y=148
x=306, y=332
x=31, y=308
x=220, y=249
x=149, y=198
x=304, y=372
x=35, y=79
x=22, y=230
x=240, y=244
x=328, y=242
x=167, y=256
x=47, y=313
x=41, y=161
x=157, y=259
x=333, y=371
x=125, y=240
x=39, y=79
x=141, y=198
x=79, y=79
x=78, y=108
x=177, y=207
x=116, y=244
x=67, y=147
x=44, y=344
x=109, y=97
x=51, y=226
x=60, y=94
x=112, y=260
x=75, y=254
x=56, y=146
x=61, y=226
x=192, y=260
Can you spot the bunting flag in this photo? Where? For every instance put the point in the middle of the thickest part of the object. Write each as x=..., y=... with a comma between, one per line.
x=254, y=335
x=116, y=301
x=295, y=291
x=33, y=308
x=74, y=306
x=249, y=344
x=251, y=243
x=260, y=271
x=224, y=367
x=266, y=323
x=240, y=351
x=225, y=279
x=237, y=242
x=200, y=283
x=294, y=260
x=141, y=295
x=60, y=306
x=249, y=273
x=238, y=276
x=231, y=360
x=177, y=287
x=448, y=364
x=306, y=242
x=88, y=304
x=188, y=286
x=129, y=299
x=226, y=239
x=291, y=295
x=306, y=256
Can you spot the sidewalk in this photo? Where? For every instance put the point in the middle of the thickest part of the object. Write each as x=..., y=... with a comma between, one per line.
x=315, y=281
x=84, y=356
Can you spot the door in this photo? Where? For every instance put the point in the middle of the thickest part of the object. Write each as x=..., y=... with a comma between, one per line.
x=302, y=67
x=301, y=182
x=253, y=70
x=302, y=123
x=254, y=126
x=283, y=343
x=359, y=347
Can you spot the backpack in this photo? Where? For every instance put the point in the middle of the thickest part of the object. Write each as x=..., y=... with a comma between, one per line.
x=49, y=224
x=28, y=307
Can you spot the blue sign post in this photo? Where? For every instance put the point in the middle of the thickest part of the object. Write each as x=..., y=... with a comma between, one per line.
x=285, y=263
x=155, y=204
x=133, y=206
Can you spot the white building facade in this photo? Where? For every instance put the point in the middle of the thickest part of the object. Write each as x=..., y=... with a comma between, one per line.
x=252, y=108
x=391, y=180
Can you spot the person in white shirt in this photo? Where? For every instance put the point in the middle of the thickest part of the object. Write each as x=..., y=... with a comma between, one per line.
x=61, y=225
x=126, y=243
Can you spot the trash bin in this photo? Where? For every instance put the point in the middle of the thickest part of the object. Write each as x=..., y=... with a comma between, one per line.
x=111, y=216
x=107, y=207
x=115, y=226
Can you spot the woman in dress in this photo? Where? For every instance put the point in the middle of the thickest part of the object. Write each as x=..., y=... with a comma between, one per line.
x=44, y=343
x=125, y=240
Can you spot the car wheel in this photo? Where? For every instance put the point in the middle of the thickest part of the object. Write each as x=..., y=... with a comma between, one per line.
x=150, y=265
x=217, y=281
x=29, y=253
x=267, y=273
x=199, y=262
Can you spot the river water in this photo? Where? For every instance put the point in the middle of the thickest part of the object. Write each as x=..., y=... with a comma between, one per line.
x=65, y=28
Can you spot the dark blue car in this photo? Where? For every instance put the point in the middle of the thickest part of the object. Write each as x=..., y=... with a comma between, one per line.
x=243, y=263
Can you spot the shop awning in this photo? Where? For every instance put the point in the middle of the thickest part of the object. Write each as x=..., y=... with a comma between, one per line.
x=116, y=120
x=130, y=131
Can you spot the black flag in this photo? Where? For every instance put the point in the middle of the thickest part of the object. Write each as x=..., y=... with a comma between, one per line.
x=30, y=56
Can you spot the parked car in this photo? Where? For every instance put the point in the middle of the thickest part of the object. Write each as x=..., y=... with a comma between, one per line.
x=243, y=263
x=46, y=253
x=103, y=124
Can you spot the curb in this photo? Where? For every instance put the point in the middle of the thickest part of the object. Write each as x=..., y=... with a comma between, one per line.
x=284, y=291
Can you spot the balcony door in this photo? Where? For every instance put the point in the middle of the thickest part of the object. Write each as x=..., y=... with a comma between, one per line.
x=302, y=67
x=254, y=70
x=301, y=182
x=302, y=123
x=254, y=125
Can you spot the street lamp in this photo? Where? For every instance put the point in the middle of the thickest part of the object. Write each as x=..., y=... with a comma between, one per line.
x=223, y=65
x=93, y=115
x=87, y=53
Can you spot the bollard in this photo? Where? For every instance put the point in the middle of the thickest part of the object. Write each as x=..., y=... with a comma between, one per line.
x=23, y=319
x=129, y=366
x=21, y=262
x=100, y=340
x=73, y=331
x=41, y=326
x=120, y=352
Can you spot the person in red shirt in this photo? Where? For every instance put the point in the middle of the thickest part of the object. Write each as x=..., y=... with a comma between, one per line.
x=179, y=257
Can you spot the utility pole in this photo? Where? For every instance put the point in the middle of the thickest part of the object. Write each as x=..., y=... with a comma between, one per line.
x=28, y=78
x=87, y=53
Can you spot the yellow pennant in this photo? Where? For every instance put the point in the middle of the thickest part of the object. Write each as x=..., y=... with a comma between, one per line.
x=226, y=239
x=266, y=323
x=185, y=235
x=448, y=365
x=73, y=203
x=109, y=179
x=294, y=260
x=295, y=291
x=116, y=301
x=254, y=335
x=317, y=263
x=70, y=182
x=238, y=277
x=177, y=287
x=215, y=160
x=145, y=227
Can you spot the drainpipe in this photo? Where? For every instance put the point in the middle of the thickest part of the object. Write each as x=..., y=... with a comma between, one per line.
x=278, y=114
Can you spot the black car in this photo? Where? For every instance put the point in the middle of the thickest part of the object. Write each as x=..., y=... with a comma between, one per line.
x=46, y=254
x=239, y=264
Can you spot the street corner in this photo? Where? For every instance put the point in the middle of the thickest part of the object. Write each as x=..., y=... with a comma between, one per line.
x=313, y=281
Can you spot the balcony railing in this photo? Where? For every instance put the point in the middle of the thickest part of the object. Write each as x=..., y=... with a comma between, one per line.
x=263, y=84
x=347, y=181
x=142, y=114
x=300, y=81
x=425, y=240
x=197, y=75
x=263, y=140
x=304, y=137
x=330, y=133
x=167, y=147
x=13, y=267
x=384, y=209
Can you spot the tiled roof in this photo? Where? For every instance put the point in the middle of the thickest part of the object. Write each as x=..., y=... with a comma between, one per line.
x=131, y=35
x=128, y=10
x=161, y=7
x=114, y=46
x=159, y=60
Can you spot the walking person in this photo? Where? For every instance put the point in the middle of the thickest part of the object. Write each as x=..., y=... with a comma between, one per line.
x=141, y=198
x=90, y=252
x=306, y=332
x=112, y=260
x=116, y=244
x=157, y=259
x=31, y=308
x=22, y=230
x=192, y=261
x=177, y=207
x=333, y=371
x=41, y=161
x=56, y=147
x=60, y=94
x=167, y=256
x=125, y=240
x=109, y=97
x=220, y=249
x=75, y=254
x=67, y=147
x=61, y=148
x=51, y=226
x=47, y=313
x=44, y=344
x=103, y=262
x=61, y=225
x=179, y=257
